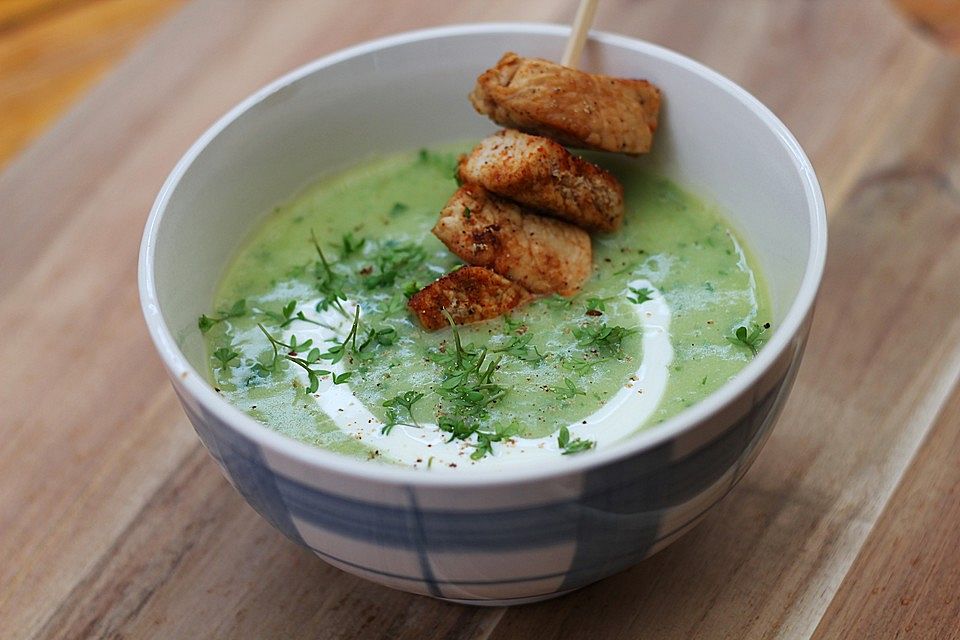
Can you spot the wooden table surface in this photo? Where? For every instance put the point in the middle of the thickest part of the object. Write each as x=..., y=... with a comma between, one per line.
x=115, y=523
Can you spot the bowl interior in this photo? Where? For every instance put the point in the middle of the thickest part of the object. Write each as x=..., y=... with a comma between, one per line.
x=410, y=91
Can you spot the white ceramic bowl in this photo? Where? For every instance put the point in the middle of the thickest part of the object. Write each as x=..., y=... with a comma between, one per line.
x=522, y=534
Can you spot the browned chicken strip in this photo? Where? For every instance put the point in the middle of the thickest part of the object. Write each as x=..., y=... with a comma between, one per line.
x=469, y=294
x=540, y=173
x=576, y=108
x=541, y=254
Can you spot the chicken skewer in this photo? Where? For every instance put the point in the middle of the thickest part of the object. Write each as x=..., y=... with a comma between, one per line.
x=517, y=253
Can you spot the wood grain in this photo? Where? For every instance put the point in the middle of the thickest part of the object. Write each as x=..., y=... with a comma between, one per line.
x=53, y=50
x=113, y=521
x=906, y=581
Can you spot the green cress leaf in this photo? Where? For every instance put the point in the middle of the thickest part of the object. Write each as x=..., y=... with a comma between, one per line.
x=392, y=261
x=597, y=306
x=568, y=390
x=519, y=347
x=640, y=295
x=205, y=323
x=607, y=341
x=484, y=446
x=467, y=390
x=237, y=310
x=329, y=283
x=572, y=446
x=350, y=245
x=581, y=366
x=511, y=325
x=501, y=432
x=750, y=336
x=406, y=401
x=224, y=355
x=289, y=351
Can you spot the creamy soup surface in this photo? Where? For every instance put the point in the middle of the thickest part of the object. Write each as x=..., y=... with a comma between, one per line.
x=310, y=334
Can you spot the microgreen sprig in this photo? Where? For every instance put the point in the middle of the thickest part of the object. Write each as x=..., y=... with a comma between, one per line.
x=468, y=388
x=567, y=390
x=581, y=366
x=329, y=283
x=519, y=347
x=410, y=288
x=337, y=352
x=225, y=355
x=608, y=341
x=350, y=245
x=205, y=322
x=597, y=306
x=292, y=351
x=406, y=401
x=392, y=261
x=750, y=336
x=286, y=315
x=572, y=446
x=640, y=295
x=485, y=439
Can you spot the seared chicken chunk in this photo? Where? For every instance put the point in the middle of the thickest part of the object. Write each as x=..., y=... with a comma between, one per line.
x=469, y=294
x=541, y=254
x=542, y=174
x=576, y=108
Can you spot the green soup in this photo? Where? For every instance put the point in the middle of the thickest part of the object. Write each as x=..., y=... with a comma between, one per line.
x=545, y=377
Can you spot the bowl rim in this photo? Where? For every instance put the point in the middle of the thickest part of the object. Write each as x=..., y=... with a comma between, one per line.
x=312, y=456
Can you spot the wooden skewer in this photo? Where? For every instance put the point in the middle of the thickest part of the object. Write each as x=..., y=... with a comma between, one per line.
x=578, y=33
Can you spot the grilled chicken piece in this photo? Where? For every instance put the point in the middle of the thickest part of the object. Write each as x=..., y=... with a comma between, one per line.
x=576, y=108
x=469, y=294
x=540, y=173
x=541, y=254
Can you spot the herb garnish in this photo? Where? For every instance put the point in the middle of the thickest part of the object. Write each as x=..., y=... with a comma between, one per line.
x=485, y=439
x=608, y=341
x=750, y=337
x=519, y=347
x=468, y=388
x=572, y=446
x=391, y=261
x=568, y=390
x=581, y=366
x=597, y=306
x=205, y=323
x=511, y=325
x=329, y=283
x=350, y=245
x=336, y=353
x=286, y=315
x=225, y=355
x=641, y=295
x=291, y=351
x=406, y=401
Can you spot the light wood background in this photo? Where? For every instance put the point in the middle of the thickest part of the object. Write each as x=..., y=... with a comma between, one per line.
x=115, y=523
